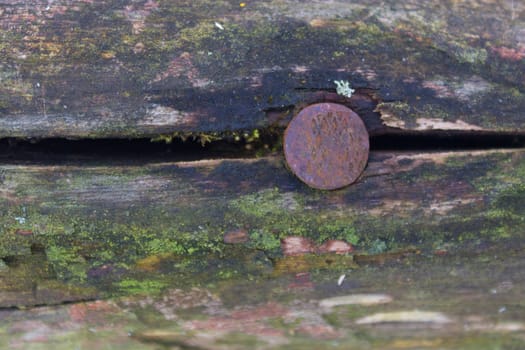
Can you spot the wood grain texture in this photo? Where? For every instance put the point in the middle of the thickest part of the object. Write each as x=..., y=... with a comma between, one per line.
x=88, y=218
x=141, y=68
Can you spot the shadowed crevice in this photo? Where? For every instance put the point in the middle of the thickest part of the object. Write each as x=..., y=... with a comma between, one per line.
x=268, y=141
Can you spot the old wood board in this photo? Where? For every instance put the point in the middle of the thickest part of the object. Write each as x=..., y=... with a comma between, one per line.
x=80, y=218
x=124, y=69
x=441, y=231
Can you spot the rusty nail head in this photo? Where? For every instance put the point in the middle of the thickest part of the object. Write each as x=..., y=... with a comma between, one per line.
x=326, y=146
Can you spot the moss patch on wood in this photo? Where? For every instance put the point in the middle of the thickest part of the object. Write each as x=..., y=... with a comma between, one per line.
x=100, y=225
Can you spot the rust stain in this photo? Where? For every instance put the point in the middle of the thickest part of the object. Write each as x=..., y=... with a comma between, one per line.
x=326, y=146
x=22, y=232
x=236, y=236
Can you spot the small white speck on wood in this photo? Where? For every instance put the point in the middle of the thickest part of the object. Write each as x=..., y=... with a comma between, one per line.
x=341, y=280
x=343, y=88
x=413, y=316
x=356, y=299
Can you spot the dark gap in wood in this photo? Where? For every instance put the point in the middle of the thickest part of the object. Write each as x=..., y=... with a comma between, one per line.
x=45, y=305
x=125, y=150
x=445, y=140
x=144, y=150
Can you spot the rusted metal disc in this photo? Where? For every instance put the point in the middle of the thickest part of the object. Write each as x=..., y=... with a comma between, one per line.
x=326, y=145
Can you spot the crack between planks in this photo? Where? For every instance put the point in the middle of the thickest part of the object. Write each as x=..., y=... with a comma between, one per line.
x=267, y=142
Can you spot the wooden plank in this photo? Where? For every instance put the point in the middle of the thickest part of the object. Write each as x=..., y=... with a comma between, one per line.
x=75, y=68
x=88, y=217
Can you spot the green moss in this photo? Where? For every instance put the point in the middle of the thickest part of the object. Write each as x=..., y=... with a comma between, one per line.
x=74, y=244
x=378, y=247
x=142, y=287
x=68, y=265
x=160, y=246
x=434, y=111
x=264, y=240
x=266, y=203
x=273, y=215
x=13, y=244
x=398, y=106
x=338, y=229
x=368, y=34
x=247, y=136
x=469, y=54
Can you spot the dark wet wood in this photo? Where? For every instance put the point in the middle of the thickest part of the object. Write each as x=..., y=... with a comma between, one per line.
x=143, y=68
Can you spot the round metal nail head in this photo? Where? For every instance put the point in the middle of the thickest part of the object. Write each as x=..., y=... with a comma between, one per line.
x=326, y=146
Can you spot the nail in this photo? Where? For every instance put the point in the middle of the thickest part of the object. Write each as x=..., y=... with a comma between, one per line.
x=326, y=146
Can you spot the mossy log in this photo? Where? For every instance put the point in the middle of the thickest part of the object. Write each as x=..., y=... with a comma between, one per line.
x=80, y=219
x=124, y=69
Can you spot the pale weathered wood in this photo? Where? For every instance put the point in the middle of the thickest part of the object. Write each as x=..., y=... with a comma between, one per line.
x=143, y=68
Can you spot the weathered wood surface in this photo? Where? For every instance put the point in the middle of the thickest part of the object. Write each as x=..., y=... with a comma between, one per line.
x=71, y=68
x=93, y=219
